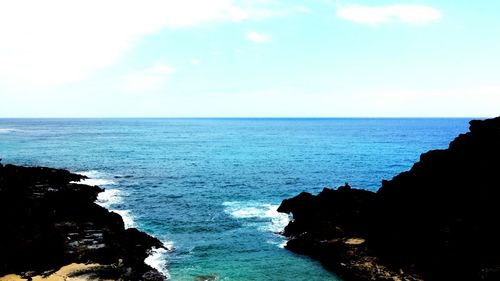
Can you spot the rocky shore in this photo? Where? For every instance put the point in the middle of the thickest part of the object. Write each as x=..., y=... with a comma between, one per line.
x=438, y=221
x=50, y=224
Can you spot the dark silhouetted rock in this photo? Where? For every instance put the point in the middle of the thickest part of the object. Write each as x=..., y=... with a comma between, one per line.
x=47, y=222
x=437, y=221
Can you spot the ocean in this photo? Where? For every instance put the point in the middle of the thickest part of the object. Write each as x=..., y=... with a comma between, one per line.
x=209, y=188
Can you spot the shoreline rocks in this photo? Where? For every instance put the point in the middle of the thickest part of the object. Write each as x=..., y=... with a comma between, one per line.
x=48, y=221
x=437, y=221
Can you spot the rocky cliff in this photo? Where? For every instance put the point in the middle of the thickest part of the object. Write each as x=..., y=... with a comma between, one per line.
x=48, y=222
x=438, y=221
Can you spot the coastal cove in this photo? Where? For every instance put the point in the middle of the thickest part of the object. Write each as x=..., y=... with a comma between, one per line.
x=209, y=189
x=436, y=221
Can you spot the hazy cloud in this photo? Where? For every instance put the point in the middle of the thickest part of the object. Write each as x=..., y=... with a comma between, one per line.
x=57, y=41
x=147, y=79
x=402, y=13
x=257, y=37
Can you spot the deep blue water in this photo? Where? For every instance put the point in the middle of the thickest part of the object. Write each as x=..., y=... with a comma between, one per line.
x=208, y=188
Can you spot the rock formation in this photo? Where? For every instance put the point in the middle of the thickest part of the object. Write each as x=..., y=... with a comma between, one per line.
x=48, y=222
x=438, y=221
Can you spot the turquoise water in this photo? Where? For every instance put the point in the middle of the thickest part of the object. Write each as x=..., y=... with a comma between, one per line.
x=209, y=188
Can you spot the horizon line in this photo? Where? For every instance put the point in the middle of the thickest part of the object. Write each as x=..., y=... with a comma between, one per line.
x=256, y=117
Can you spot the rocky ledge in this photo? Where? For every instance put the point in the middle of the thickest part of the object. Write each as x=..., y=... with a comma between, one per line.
x=438, y=221
x=49, y=221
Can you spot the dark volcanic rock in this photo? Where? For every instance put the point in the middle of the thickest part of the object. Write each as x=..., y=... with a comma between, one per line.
x=47, y=222
x=438, y=221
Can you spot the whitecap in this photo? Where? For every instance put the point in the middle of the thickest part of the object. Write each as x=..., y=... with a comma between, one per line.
x=92, y=174
x=267, y=216
x=8, y=130
x=169, y=245
x=157, y=258
x=95, y=178
x=273, y=220
x=98, y=182
x=109, y=197
x=281, y=243
x=278, y=220
x=248, y=212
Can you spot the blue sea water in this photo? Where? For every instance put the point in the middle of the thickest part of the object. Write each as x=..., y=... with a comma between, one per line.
x=209, y=188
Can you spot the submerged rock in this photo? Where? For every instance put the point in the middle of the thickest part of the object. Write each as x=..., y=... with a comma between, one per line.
x=437, y=221
x=48, y=222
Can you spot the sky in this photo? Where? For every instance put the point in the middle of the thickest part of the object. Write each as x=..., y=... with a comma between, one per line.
x=240, y=58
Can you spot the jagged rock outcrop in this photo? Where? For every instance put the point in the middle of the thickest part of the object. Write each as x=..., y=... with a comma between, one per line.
x=438, y=221
x=47, y=222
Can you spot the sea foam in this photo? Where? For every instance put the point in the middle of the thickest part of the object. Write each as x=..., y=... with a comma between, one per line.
x=279, y=220
x=273, y=220
x=8, y=130
x=127, y=218
x=110, y=197
x=95, y=178
x=157, y=259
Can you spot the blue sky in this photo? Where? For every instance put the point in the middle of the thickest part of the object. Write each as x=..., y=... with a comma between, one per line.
x=262, y=58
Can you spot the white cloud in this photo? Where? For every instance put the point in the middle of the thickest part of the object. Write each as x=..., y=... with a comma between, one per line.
x=52, y=42
x=195, y=61
x=147, y=79
x=257, y=37
x=404, y=13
